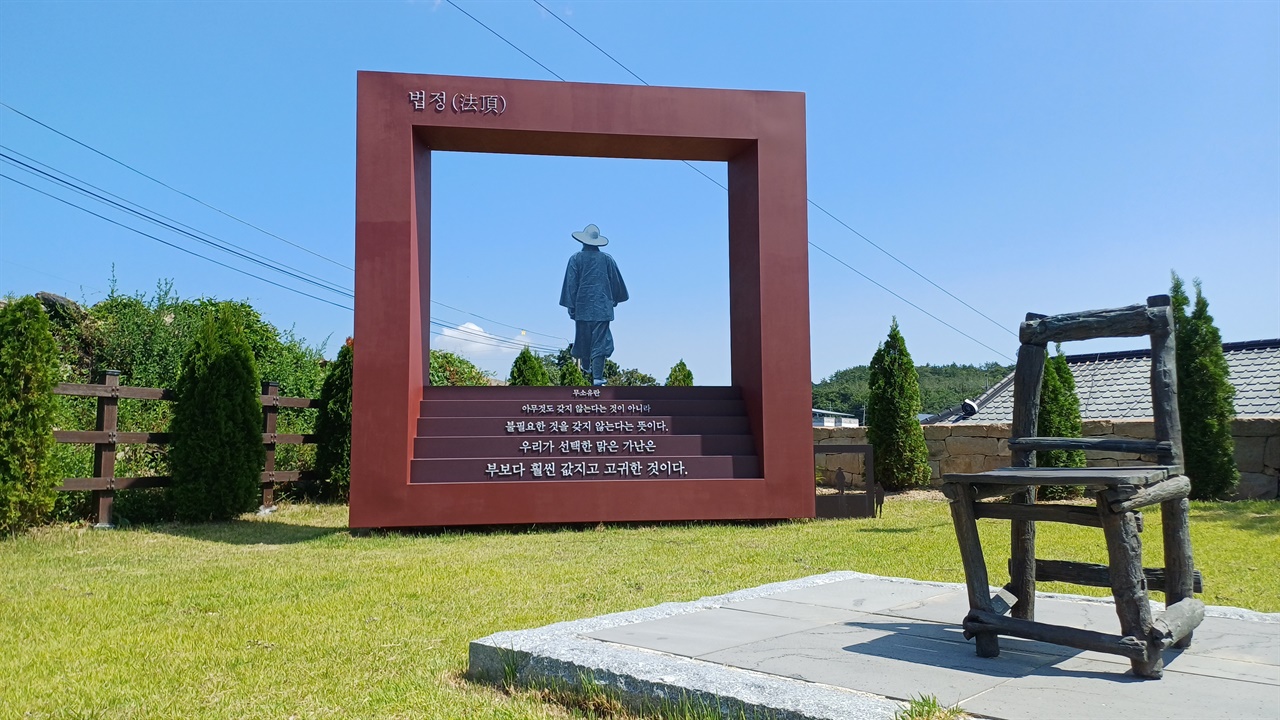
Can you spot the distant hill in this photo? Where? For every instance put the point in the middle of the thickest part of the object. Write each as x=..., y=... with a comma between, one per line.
x=941, y=386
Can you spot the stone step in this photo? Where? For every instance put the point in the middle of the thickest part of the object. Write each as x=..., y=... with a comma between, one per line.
x=498, y=469
x=581, y=448
x=620, y=427
x=567, y=394
x=511, y=409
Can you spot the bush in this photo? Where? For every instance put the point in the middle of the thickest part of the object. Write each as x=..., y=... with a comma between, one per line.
x=1059, y=417
x=455, y=371
x=217, y=454
x=1205, y=398
x=146, y=338
x=893, y=423
x=680, y=375
x=333, y=431
x=571, y=375
x=528, y=370
x=28, y=374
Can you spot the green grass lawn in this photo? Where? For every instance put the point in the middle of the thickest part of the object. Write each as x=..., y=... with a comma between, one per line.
x=291, y=616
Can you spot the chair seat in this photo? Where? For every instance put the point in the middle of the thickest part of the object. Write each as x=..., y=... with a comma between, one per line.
x=1138, y=476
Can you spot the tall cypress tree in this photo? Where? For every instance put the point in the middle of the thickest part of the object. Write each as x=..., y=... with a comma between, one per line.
x=333, y=429
x=1205, y=397
x=571, y=375
x=893, y=423
x=28, y=374
x=528, y=370
x=680, y=375
x=1059, y=417
x=217, y=453
x=1059, y=413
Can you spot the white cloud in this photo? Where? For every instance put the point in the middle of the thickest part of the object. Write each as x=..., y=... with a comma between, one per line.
x=472, y=342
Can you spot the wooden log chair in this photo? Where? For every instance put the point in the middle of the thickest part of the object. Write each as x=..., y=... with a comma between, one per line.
x=1120, y=493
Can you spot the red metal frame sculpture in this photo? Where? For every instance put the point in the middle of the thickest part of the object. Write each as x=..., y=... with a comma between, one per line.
x=402, y=119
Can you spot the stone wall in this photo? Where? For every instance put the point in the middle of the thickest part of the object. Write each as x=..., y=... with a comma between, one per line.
x=971, y=447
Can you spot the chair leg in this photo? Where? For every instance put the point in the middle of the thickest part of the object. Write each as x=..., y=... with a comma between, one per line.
x=1179, y=570
x=1129, y=585
x=1022, y=565
x=975, y=567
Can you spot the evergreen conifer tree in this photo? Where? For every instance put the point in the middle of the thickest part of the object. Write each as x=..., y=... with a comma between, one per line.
x=1205, y=398
x=217, y=453
x=893, y=425
x=1059, y=417
x=680, y=375
x=571, y=375
x=528, y=370
x=28, y=374
x=333, y=429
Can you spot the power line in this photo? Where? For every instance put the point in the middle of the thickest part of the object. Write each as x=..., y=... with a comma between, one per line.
x=496, y=322
x=208, y=239
x=926, y=312
x=171, y=224
x=821, y=209
x=174, y=189
x=497, y=35
x=172, y=245
x=493, y=338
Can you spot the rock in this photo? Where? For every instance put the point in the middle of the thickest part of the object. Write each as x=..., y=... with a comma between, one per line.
x=1271, y=458
x=936, y=432
x=1255, y=427
x=1256, y=486
x=991, y=462
x=1137, y=429
x=62, y=311
x=1250, y=452
x=963, y=464
x=1092, y=428
x=937, y=449
x=963, y=445
x=996, y=430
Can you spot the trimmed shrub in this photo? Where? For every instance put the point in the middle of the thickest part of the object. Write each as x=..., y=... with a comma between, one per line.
x=455, y=371
x=1059, y=417
x=217, y=453
x=1205, y=398
x=333, y=430
x=528, y=370
x=893, y=424
x=571, y=375
x=680, y=375
x=28, y=374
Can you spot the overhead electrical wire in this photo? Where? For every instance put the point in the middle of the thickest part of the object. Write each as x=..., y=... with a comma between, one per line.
x=810, y=201
x=139, y=209
x=174, y=189
x=481, y=338
x=821, y=209
x=167, y=223
x=86, y=183
x=173, y=245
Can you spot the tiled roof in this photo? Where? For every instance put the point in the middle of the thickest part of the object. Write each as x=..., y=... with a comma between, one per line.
x=1116, y=385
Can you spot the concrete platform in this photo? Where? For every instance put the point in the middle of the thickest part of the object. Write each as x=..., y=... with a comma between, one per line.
x=845, y=645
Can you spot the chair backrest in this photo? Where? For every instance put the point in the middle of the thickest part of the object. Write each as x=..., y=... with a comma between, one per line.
x=1155, y=318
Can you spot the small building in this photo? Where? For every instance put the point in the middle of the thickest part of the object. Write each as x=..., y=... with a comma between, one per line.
x=827, y=418
x=1117, y=385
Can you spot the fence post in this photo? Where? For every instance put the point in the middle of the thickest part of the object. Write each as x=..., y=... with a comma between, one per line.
x=104, y=454
x=270, y=408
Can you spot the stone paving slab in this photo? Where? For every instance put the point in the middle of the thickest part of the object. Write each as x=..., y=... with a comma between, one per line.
x=846, y=646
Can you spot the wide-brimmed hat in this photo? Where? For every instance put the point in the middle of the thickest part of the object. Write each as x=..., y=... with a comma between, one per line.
x=590, y=235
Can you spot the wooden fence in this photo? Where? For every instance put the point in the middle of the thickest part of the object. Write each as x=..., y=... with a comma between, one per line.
x=105, y=437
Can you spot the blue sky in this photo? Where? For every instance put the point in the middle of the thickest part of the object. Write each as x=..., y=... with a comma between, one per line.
x=1025, y=156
